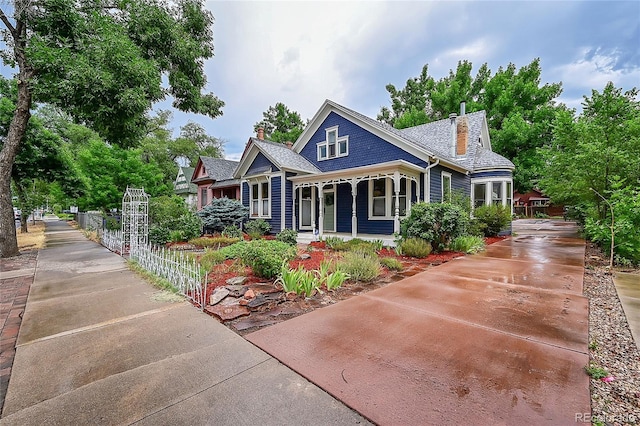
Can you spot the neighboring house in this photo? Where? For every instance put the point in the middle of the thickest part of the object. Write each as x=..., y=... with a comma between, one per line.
x=350, y=174
x=214, y=178
x=184, y=188
x=534, y=201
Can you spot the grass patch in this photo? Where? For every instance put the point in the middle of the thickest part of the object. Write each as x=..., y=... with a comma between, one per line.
x=467, y=244
x=391, y=263
x=360, y=266
x=32, y=240
x=157, y=282
x=415, y=247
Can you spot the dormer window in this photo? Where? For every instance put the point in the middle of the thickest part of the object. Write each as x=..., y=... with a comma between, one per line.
x=333, y=146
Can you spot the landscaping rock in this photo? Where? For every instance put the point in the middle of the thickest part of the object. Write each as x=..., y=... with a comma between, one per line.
x=228, y=312
x=249, y=294
x=236, y=281
x=305, y=256
x=264, y=288
x=237, y=290
x=259, y=300
x=218, y=294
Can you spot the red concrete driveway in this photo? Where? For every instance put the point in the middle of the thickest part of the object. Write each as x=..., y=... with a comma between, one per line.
x=497, y=338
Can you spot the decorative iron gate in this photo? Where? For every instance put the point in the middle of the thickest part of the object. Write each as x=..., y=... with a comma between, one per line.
x=135, y=219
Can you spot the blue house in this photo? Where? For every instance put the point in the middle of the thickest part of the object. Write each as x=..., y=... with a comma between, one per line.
x=352, y=176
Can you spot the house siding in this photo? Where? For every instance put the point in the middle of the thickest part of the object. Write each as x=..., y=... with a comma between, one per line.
x=365, y=148
x=459, y=182
x=343, y=207
x=259, y=162
x=276, y=204
x=366, y=226
x=289, y=202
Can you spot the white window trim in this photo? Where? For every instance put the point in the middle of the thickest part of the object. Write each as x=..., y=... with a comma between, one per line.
x=488, y=194
x=442, y=176
x=388, y=195
x=260, y=198
x=325, y=144
x=313, y=209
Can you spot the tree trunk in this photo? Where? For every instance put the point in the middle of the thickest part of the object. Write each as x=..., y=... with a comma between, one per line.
x=17, y=131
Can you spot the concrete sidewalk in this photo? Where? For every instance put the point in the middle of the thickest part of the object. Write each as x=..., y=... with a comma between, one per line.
x=98, y=345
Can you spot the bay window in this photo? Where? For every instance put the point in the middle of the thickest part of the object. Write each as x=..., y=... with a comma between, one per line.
x=492, y=191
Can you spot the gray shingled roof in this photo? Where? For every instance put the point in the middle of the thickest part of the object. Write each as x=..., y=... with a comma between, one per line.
x=218, y=168
x=284, y=157
x=435, y=138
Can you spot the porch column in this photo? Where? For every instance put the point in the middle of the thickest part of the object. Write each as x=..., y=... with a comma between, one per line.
x=396, y=194
x=354, y=218
x=417, y=190
x=294, y=225
x=321, y=211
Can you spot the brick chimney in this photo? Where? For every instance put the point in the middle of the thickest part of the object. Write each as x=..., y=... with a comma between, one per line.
x=261, y=133
x=462, y=135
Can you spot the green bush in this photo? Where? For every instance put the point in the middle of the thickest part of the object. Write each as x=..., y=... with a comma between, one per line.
x=626, y=205
x=359, y=266
x=218, y=242
x=415, y=247
x=265, y=257
x=289, y=236
x=221, y=213
x=232, y=231
x=492, y=219
x=436, y=223
x=235, y=251
x=333, y=242
x=355, y=244
x=167, y=216
x=391, y=263
x=467, y=244
x=257, y=228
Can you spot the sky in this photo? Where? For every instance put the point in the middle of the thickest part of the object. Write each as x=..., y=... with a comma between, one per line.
x=301, y=53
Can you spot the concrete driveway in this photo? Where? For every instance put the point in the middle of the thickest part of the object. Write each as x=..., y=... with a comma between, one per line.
x=497, y=338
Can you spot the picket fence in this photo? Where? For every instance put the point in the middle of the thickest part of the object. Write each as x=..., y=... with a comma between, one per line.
x=181, y=270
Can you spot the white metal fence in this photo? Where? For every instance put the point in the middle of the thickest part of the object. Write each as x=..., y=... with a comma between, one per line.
x=182, y=271
x=112, y=240
x=179, y=269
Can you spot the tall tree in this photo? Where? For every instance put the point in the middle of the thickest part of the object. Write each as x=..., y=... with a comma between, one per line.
x=102, y=62
x=281, y=124
x=194, y=142
x=596, y=150
x=520, y=109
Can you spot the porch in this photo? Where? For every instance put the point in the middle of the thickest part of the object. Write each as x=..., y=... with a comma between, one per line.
x=308, y=237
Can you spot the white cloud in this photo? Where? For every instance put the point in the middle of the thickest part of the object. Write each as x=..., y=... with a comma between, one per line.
x=594, y=68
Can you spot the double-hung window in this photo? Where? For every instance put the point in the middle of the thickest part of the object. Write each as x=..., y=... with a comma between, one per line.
x=203, y=197
x=382, y=199
x=260, y=200
x=333, y=146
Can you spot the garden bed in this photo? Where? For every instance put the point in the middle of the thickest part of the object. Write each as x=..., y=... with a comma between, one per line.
x=257, y=302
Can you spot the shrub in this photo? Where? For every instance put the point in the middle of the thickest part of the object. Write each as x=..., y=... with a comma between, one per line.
x=257, y=228
x=210, y=258
x=333, y=242
x=289, y=236
x=176, y=236
x=232, y=231
x=434, y=222
x=359, y=266
x=492, y=218
x=415, y=247
x=265, y=257
x=234, y=251
x=223, y=212
x=467, y=244
x=218, y=242
x=391, y=263
x=167, y=214
x=595, y=371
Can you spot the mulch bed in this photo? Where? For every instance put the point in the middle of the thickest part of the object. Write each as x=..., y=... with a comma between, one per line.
x=266, y=304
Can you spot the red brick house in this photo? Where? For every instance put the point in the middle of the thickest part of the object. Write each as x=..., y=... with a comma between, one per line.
x=214, y=178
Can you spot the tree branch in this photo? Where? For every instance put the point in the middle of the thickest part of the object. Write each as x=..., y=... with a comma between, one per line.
x=7, y=23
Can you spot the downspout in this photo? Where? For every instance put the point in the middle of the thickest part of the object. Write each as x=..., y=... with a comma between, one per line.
x=427, y=180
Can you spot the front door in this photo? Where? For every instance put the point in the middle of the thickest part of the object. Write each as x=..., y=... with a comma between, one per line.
x=329, y=211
